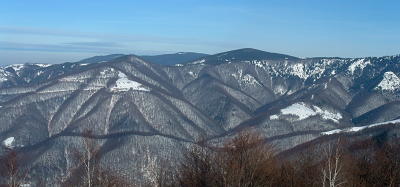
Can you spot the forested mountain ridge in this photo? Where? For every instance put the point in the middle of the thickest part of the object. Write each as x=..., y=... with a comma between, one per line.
x=140, y=112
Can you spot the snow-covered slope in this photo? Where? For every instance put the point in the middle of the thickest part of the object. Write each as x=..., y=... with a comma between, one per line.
x=124, y=84
x=390, y=82
x=360, y=128
x=302, y=111
x=9, y=142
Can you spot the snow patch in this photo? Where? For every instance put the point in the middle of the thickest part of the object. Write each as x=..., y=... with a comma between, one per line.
x=279, y=90
x=192, y=74
x=9, y=142
x=39, y=73
x=124, y=84
x=259, y=64
x=246, y=79
x=43, y=65
x=107, y=71
x=16, y=67
x=390, y=82
x=327, y=115
x=331, y=132
x=273, y=117
x=3, y=75
x=302, y=111
x=359, y=64
x=199, y=61
x=357, y=129
x=299, y=71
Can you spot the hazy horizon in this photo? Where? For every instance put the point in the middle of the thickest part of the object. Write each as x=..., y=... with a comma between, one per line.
x=56, y=59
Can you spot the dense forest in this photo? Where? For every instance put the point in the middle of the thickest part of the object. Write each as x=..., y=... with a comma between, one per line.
x=245, y=160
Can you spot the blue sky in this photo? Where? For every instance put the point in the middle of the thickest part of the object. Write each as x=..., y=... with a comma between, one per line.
x=53, y=31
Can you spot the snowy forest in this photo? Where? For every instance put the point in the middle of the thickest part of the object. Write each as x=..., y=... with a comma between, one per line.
x=243, y=161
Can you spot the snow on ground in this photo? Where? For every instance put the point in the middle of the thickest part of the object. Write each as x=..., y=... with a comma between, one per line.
x=3, y=75
x=299, y=71
x=279, y=90
x=9, y=142
x=107, y=72
x=43, y=65
x=274, y=117
x=124, y=84
x=244, y=79
x=359, y=64
x=260, y=64
x=302, y=111
x=390, y=82
x=192, y=74
x=199, y=61
x=16, y=67
x=39, y=73
x=356, y=129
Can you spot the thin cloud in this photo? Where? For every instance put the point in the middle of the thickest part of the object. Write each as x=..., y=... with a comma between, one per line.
x=95, y=44
x=82, y=49
x=118, y=38
x=15, y=46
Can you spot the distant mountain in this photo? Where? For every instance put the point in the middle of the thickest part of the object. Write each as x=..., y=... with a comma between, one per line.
x=140, y=112
x=97, y=59
x=246, y=54
x=164, y=59
x=172, y=59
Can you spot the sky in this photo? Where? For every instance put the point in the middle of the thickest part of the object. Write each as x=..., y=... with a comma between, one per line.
x=55, y=31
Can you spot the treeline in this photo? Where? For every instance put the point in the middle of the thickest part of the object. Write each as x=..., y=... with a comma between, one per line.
x=248, y=161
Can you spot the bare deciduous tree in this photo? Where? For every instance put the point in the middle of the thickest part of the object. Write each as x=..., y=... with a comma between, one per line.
x=332, y=169
x=93, y=173
x=249, y=161
x=87, y=158
x=91, y=150
x=166, y=174
x=198, y=168
x=11, y=169
x=244, y=161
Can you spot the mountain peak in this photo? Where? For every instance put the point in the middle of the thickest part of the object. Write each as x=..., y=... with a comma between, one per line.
x=172, y=59
x=102, y=58
x=245, y=54
x=259, y=54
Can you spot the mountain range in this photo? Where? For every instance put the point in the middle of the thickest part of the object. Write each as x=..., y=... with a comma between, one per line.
x=141, y=109
x=165, y=59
